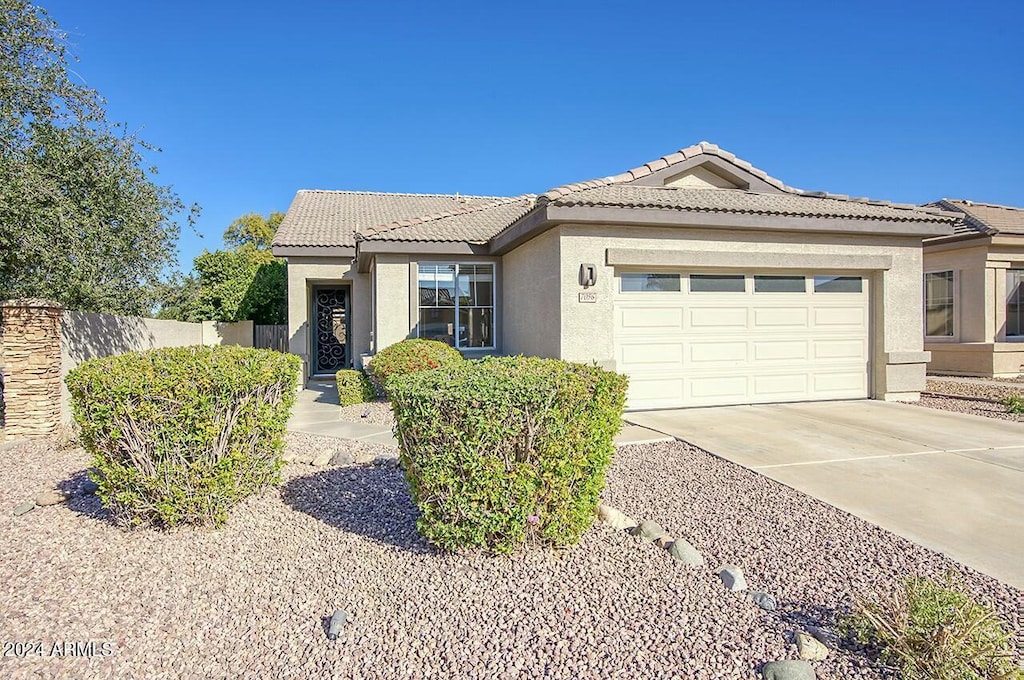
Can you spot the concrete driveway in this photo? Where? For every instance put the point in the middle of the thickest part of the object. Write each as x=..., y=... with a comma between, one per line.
x=949, y=481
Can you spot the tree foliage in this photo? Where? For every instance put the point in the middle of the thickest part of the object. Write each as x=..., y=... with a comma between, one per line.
x=81, y=220
x=253, y=229
x=245, y=283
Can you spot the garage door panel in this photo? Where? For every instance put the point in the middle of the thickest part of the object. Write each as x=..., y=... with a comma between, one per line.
x=793, y=384
x=718, y=386
x=641, y=356
x=650, y=318
x=702, y=353
x=739, y=347
x=654, y=392
x=853, y=317
x=716, y=317
x=793, y=317
x=780, y=350
x=839, y=384
x=854, y=349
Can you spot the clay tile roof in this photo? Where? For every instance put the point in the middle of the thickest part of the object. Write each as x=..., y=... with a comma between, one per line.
x=616, y=191
x=331, y=218
x=984, y=218
x=704, y=148
x=469, y=224
x=740, y=201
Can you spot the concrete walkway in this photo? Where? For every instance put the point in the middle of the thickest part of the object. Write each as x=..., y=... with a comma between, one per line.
x=316, y=412
x=949, y=481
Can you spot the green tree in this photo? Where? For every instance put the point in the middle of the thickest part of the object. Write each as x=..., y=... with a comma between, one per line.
x=253, y=229
x=244, y=283
x=81, y=220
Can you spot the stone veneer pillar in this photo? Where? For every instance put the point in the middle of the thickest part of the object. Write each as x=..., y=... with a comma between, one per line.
x=30, y=349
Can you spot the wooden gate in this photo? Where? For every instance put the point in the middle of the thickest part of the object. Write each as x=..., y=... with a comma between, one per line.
x=270, y=336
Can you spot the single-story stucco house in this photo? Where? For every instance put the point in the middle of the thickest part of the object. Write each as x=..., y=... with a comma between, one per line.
x=699, y=276
x=974, y=291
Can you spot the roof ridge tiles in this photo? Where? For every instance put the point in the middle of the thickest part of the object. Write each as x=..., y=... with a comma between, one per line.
x=359, y=192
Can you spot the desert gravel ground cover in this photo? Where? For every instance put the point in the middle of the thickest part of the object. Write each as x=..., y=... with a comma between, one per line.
x=374, y=412
x=250, y=600
x=972, y=388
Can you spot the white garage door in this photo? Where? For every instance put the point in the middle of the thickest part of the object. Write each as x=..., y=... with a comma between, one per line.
x=703, y=339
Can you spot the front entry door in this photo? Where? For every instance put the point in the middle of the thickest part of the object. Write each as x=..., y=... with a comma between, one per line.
x=330, y=330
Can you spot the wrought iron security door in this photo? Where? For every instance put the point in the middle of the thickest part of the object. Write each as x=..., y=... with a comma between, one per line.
x=330, y=333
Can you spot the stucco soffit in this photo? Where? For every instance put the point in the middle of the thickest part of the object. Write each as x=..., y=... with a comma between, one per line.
x=642, y=257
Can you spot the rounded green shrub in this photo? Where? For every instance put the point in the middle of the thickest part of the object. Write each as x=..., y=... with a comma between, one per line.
x=353, y=387
x=507, y=450
x=179, y=435
x=411, y=356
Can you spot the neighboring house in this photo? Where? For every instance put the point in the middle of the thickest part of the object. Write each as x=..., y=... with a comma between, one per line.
x=974, y=291
x=699, y=276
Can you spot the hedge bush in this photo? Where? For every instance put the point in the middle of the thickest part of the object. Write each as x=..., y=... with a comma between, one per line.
x=931, y=630
x=411, y=356
x=507, y=450
x=179, y=435
x=354, y=387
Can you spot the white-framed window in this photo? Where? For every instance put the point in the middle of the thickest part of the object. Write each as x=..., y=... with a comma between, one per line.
x=1015, y=303
x=456, y=304
x=939, y=305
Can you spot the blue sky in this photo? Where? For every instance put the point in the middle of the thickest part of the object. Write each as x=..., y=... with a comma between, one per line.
x=250, y=101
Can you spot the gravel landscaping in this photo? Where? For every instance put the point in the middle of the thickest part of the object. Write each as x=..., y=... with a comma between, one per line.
x=254, y=599
x=976, y=408
x=951, y=389
x=373, y=412
x=984, y=390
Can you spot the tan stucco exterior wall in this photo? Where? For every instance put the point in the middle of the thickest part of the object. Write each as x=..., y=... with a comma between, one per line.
x=530, y=305
x=897, y=358
x=306, y=272
x=392, y=316
x=979, y=345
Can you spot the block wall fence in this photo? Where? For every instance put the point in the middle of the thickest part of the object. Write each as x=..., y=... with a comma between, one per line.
x=40, y=343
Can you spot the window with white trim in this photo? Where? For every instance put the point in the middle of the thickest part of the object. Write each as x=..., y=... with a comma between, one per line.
x=938, y=304
x=1014, y=303
x=456, y=304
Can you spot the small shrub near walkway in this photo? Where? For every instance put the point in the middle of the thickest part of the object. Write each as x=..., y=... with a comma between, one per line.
x=353, y=387
x=506, y=450
x=179, y=435
x=412, y=356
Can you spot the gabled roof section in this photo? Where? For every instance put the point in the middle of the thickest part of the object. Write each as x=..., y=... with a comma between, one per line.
x=983, y=219
x=666, y=166
x=743, y=202
x=469, y=224
x=319, y=218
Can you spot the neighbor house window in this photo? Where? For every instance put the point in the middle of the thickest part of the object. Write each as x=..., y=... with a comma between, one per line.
x=938, y=304
x=1015, y=302
x=456, y=304
x=637, y=283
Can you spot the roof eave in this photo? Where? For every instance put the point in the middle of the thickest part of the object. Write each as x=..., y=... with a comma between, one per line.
x=368, y=249
x=312, y=251
x=549, y=215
